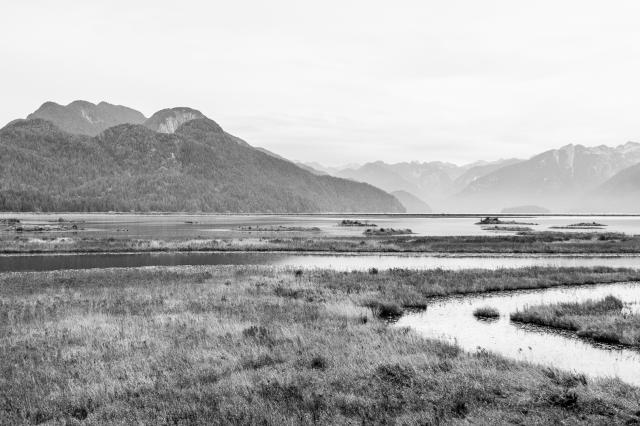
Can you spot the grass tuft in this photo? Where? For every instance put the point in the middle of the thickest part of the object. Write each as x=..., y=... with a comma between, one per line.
x=486, y=312
x=601, y=320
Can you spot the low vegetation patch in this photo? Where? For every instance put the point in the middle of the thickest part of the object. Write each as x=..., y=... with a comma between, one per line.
x=486, y=312
x=601, y=320
x=507, y=228
x=278, y=228
x=387, y=231
x=498, y=221
x=348, y=222
x=581, y=225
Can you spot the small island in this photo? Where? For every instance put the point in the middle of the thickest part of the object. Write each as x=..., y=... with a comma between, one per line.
x=507, y=228
x=581, y=225
x=43, y=228
x=388, y=231
x=497, y=221
x=278, y=228
x=10, y=221
x=347, y=222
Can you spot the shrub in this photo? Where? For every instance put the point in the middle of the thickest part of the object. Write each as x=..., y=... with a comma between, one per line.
x=385, y=310
x=319, y=362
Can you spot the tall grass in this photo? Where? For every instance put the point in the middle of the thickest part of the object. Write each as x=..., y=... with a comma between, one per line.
x=602, y=320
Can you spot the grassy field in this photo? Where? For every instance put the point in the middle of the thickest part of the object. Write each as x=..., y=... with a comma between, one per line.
x=526, y=243
x=602, y=320
x=258, y=345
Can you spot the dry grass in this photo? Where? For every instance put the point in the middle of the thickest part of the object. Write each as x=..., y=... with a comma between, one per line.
x=255, y=345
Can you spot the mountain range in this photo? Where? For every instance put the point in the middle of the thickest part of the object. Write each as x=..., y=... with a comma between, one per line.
x=176, y=160
x=100, y=157
x=573, y=178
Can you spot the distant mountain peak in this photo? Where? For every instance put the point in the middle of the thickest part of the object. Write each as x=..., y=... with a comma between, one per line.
x=86, y=118
x=170, y=119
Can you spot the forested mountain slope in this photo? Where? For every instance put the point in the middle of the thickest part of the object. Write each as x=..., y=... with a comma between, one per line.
x=128, y=167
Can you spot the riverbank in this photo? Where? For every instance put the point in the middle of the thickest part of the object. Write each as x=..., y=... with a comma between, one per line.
x=526, y=243
x=255, y=344
x=601, y=320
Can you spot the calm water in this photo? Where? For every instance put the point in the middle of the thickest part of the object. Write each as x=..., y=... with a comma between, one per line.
x=226, y=226
x=329, y=261
x=452, y=320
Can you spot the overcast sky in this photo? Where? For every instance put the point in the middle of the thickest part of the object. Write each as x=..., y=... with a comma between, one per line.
x=343, y=81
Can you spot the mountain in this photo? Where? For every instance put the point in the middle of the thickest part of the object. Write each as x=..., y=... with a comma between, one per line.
x=198, y=167
x=380, y=175
x=433, y=181
x=168, y=120
x=411, y=203
x=620, y=193
x=85, y=118
x=476, y=171
x=330, y=170
x=556, y=178
x=310, y=169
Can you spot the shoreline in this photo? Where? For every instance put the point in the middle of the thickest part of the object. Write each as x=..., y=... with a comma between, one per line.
x=297, y=252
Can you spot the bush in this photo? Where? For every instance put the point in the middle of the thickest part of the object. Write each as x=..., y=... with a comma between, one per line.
x=319, y=362
x=385, y=310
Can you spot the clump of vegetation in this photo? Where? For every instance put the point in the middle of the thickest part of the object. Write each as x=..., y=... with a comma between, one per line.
x=278, y=228
x=507, y=228
x=387, y=231
x=497, y=221
x=601, y=320
x=581, y=225
x=385, y=310
x=348, y=222
x=486, y=312
x=9, y=221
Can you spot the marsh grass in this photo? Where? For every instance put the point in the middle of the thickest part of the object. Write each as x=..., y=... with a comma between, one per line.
x=486, y=312
x=601, y=320
x=525, y=242
x=222, y=345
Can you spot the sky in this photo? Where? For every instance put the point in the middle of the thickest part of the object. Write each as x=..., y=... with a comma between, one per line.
x=340, y=82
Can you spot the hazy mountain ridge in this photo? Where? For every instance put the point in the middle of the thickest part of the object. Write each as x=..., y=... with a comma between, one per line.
x=556, y=178
x=620, y=193
x=434, y=182
x=476, y=171
x=86, y=118
x=127, y=167
x=411, y=203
